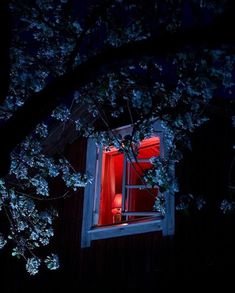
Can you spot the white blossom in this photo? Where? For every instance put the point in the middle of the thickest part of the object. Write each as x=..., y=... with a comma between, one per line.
x=42, y=130
x=3, y=241
x=52, y=262
x=61, y=113
x=226, y=206
x=32, y=265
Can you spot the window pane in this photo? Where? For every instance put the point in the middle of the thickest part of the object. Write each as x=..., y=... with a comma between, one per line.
x=140, y=200
x=149, y=147
x=135, y=172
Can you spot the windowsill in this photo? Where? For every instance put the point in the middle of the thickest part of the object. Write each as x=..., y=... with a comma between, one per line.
x=123, y=229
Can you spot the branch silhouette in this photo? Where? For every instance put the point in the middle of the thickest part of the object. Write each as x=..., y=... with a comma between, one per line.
x=41, y=104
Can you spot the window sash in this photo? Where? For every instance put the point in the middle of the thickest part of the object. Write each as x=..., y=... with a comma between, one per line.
x=126, y=212
x=125, y=187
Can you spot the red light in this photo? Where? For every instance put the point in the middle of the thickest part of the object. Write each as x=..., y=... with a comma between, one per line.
x=117, y=208
x=150, y=141
x=117, y=201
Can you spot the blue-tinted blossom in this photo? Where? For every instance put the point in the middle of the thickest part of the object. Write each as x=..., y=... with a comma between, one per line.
x=32, y=265
x=159, y=205
x=61, y=113
x=42, y=130
x=3, y=241
x=52, y=262
x=227, y=206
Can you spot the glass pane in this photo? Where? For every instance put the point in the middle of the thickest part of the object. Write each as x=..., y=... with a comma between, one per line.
x=140, y=200
x=149, y=147
x=135, y=172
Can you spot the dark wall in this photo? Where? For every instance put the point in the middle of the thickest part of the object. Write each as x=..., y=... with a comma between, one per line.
x=205, y=169
x=205, y=240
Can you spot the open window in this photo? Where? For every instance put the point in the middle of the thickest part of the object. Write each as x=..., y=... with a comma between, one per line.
x=124, y=196
x=120, y=202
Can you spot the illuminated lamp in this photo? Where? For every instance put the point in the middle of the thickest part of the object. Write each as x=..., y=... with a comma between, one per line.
x=117, y=208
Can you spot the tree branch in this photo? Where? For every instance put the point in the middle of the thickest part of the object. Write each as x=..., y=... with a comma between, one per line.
x=40, y=104
x=5, y=36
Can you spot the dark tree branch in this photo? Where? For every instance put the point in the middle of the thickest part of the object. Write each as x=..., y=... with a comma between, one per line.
x=40, y=105
x=5, y=37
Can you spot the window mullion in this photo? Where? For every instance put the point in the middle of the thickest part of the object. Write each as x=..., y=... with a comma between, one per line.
x=126, y=191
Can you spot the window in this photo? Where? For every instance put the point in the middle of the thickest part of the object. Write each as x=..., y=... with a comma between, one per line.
x=123, y=195
x=119, y=202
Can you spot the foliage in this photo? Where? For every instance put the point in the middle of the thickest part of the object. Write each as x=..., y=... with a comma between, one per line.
x=50, y=38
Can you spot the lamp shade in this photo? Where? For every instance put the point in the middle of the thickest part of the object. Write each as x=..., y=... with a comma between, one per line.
x=117, y=201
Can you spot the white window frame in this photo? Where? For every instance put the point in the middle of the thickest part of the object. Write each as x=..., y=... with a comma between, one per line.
x=90, y=230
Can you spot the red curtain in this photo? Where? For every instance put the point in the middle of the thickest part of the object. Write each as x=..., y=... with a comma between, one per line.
x=111, y=183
